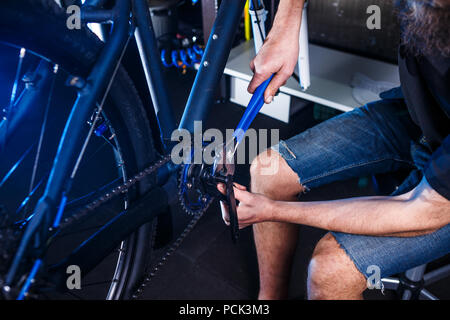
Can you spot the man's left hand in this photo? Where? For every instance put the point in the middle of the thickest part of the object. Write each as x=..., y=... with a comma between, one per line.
x=253, y=208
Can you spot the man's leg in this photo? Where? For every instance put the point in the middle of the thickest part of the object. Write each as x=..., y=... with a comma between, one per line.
x=372, y=139
x=332, y=274
x=275, y=242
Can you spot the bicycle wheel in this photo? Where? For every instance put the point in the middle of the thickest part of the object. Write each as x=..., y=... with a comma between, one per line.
x=33, y=34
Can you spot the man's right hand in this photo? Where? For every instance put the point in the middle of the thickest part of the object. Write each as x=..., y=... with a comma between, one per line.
x=279, y=53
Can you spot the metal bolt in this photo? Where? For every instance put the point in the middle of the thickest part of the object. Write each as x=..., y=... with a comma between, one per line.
x=215, y=36
x=28, y=77
x=206, y=64
x=77, y=82
x=23, y=51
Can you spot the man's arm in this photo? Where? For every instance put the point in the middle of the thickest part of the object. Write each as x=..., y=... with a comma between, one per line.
x=420, y=211
x=279, y=53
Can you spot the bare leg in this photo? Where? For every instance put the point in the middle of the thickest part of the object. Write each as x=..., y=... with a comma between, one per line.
x=275, y=242
x=332, y=274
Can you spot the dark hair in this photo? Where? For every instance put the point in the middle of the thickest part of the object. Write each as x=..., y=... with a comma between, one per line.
x=425, y=26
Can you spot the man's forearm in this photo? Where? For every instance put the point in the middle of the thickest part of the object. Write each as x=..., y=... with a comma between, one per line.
x=288, y=18
x=406, y=215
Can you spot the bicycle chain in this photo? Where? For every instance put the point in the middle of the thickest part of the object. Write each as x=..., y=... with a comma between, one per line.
x=197, y=215
x=123, y=188
x=162, y=261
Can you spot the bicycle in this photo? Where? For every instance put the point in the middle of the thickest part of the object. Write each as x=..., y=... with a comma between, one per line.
x=107, y=126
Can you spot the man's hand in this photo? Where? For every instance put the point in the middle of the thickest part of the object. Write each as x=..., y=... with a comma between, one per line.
x=277, y=56
x=279, y=53
x=253, y=208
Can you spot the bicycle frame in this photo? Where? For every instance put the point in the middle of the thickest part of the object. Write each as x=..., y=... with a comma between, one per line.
x=130, y=16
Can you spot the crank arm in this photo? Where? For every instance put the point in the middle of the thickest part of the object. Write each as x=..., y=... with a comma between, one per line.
x=224, y=158
x=232, y=211
x=230, y=201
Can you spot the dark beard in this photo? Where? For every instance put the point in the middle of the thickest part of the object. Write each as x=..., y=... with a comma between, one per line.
x=425, y=27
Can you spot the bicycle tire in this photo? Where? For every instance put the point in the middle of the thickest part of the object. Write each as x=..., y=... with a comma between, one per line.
x=32, y=24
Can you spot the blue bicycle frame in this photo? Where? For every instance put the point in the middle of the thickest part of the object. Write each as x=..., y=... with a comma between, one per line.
x=129, y=17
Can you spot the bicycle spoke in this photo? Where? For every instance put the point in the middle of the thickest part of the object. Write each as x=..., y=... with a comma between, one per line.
x=42, y=133
x=74, y=295
x=15, y=166
x=93, y=154
x=28, y=197
x=109, y=142
x=61, y=235
x=85, y=199
x=109, y=185
x=99, y=110
x=22, y=54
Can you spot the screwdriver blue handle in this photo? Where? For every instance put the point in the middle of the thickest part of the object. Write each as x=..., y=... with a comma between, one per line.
x=254, y=106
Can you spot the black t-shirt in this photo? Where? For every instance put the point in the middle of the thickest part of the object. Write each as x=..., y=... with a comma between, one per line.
x=425, y=85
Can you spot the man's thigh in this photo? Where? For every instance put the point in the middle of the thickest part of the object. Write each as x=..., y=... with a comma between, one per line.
x=372, y=139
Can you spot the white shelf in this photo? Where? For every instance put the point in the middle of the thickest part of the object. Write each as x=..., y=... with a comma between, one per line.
x=331, y=74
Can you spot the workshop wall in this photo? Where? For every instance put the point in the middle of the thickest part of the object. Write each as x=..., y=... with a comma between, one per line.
x=342, y=24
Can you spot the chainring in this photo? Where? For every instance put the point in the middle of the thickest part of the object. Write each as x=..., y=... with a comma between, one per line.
x=192, y=194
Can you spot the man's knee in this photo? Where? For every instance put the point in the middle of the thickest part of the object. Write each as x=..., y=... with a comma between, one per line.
x=332, y=274
x=271, y=175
